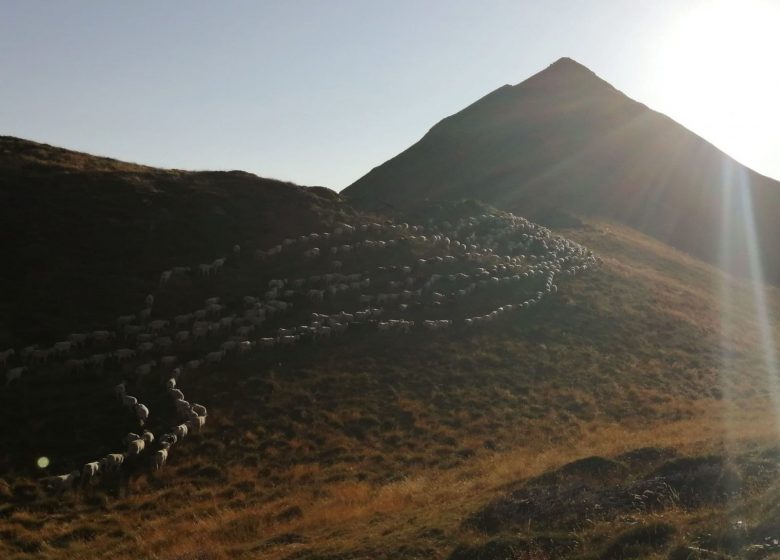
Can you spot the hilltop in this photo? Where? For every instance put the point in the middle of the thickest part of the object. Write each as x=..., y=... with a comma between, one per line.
x=86, y=236
x=564, y=140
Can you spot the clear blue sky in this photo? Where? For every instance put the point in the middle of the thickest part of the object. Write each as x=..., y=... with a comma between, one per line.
x=319, y=92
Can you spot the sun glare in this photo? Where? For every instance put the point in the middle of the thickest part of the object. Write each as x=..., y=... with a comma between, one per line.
x=717, y=72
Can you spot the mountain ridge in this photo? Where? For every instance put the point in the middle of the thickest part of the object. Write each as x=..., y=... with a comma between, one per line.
x=565, y=139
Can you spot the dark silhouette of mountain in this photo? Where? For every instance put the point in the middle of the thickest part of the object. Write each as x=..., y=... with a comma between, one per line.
x=566, y=140
x=84, y=236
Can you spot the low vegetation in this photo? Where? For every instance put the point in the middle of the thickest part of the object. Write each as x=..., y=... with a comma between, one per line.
x=528, y=439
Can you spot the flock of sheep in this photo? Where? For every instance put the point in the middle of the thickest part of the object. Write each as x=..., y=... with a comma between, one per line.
x=481, y=255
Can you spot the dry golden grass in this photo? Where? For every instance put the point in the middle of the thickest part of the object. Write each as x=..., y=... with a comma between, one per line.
x=632, y=358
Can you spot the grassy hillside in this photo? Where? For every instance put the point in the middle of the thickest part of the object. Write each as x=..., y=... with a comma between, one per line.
x=393, y=446
x=86, y=237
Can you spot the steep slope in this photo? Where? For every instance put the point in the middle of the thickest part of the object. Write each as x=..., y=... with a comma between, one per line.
x=377, y=443
x=565, y=140
x=386, y=445
x=84, y=236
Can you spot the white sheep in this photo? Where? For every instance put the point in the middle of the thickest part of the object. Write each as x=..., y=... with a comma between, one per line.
x=142, y=413
x=63, y=346
x=196, y=422
x=5, y=354
x=159, y=458
x=89, y=471
x=158, y=324
x=168, y=361
x=176, y=394
x=170, y=384
x=214, y=357
x=124, y=354
x=78, y=339
x=182, y=406
x=14, y=374
x=112, y=462
x=181, y=431
x=130, y=437
x=182, y=336
x=199, y=409
x=123, y=320
x=58, y=484
x=145, y=369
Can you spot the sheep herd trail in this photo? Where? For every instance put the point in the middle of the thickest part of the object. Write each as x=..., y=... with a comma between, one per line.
x=390, y=278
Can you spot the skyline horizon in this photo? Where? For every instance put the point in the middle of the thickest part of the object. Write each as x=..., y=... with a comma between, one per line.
x=320, y=94
x=338, y=190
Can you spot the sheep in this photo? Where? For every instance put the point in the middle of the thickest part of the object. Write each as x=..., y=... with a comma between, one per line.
x=182, y=336
x=145, y=369
x=182, y=406
x=245, y=346
x=145, y=347
x=217, y=265
x=196, y=422
x=158, y=325
x=89, y=471
x=168, y=361
x=129, y=402
x=130, y=437
x=112, y=461
x=181, y=431
x=63, y=346
x=193, y=364
x=123, y=354
x=176, y=394
x=97, y=360
x=78, y=339
x=149, y=300
x=165, y=276
x=170, y=439
x=75, y=365
x=26, y=352
x=14, y=374
x=41, y=355
x=142, y=413
x=170, y=384
x=214, y=357
x=58, y=484
x=199, y=409
x=123, y=320
x=159, y=458
x=120, y=390
x=5, y=354
x=138, y=444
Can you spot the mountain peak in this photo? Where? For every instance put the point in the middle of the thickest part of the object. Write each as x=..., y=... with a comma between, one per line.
x=565, y=61
x=565, y=72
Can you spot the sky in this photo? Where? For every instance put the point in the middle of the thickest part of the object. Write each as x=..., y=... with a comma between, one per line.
x=320, y=92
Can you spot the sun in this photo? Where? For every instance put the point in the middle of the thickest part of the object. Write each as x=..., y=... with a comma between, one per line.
x=717, y=70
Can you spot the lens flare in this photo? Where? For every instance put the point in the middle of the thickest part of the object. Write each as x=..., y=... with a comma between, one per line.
x=42, y=462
